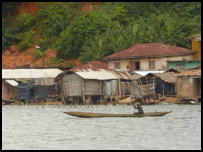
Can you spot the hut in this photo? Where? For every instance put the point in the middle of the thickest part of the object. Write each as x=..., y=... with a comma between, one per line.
x=138, y=74
x=88, y=85
x=189, y=86
x=82, y=86
x=110, y=84
x=32, y=83
x=158, y=84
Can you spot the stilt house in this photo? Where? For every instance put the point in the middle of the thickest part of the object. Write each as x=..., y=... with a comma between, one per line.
x=29, y=83
x=189, y=85
x=92, y=82
x=158, y=84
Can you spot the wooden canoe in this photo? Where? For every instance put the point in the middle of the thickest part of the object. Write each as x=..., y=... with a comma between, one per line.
x=97, y=115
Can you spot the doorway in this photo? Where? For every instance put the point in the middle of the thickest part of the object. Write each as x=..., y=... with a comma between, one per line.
x=197, y=83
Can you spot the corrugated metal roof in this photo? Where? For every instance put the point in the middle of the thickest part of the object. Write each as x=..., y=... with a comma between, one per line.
x=195, y=60
x=94, y=65
x=97, y=75
x=122, y=75
x=143, y=73
x=12, y=82
x=150, y=50
x=176, y=69
x=196, y=37
x=29, y=73
x=167, y=77
x=196, y=72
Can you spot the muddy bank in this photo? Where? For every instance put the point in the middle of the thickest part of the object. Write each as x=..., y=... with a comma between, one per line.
x=128, y=101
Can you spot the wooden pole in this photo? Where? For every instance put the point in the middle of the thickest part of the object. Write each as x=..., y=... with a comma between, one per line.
x=83, y=94
x=119, y=86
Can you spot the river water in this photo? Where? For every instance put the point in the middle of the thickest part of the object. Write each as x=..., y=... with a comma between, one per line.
x=48, y=128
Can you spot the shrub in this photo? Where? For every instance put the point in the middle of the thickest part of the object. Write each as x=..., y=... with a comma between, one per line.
x=72, y=39
x=24, y=22
x=52, y=61
x=54, y=18
x=9, y=34
x=27, y=40
x=19, y=31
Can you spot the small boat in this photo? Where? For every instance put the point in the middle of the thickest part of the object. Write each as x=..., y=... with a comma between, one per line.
x=97, y=115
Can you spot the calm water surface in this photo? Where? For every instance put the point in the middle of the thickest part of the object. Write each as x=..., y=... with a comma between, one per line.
x=38, y=127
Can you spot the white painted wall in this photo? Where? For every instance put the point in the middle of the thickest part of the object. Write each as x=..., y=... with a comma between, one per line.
x=160, y=63
x=123, y=65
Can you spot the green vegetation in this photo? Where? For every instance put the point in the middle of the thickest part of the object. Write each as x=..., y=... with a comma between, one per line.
x=112, y=27
x=19, y=32
x=53, y=18
x=9, y=8
x=87, y=26
x=42, y=50
x=9, y=34
x=26, y=40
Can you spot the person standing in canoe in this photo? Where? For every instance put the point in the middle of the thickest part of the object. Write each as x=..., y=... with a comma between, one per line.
x=140, y=110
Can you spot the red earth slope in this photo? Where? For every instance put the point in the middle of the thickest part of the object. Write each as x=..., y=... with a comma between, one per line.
x=12, y=58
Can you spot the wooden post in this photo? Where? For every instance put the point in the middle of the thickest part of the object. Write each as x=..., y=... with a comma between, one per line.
x=100, y=88
x=83, y=93
x=101, y=100
x=119, y=86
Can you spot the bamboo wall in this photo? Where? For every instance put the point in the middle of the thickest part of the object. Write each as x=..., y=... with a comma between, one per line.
x=91, y=87
x=71, y=85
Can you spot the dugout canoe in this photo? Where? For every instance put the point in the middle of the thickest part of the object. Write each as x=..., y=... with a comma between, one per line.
x=97, y=115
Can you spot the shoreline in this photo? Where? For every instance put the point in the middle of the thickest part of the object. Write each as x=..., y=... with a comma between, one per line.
x=61, y=104
x=125, y=101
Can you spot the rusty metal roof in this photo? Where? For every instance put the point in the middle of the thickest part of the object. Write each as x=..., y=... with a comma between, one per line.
x=93, y=68
x=194, y=72
x=93, y=65
x=167, y=77
x=150, y=50
x=121, y=75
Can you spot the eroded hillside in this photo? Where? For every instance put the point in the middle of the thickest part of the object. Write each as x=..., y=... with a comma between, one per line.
x=12, y=58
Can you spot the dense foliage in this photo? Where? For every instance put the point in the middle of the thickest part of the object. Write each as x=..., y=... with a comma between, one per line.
x=9, y=8
x=53, y=18
x=73, y=38
x=20, y=32
x=110, y=28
